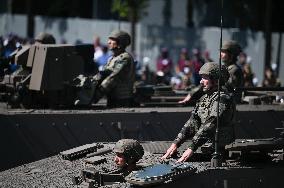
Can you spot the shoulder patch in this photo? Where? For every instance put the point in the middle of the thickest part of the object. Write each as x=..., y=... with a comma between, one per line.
x=118, y=65
x=124, y=55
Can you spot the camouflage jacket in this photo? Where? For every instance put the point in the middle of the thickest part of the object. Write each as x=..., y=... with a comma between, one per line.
x=119, y=83
x=236, y=76
x=236, y=80
x=202, y=123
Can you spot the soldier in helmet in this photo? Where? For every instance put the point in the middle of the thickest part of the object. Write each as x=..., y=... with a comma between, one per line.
x=202, y=123
x=9, y=62
x=44, y=38
x=128, y=152
x=229, y=54
x=117, y=78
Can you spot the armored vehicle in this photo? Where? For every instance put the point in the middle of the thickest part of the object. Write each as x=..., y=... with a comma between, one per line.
x=68, y=147
x=250, y=163
x=73, y=148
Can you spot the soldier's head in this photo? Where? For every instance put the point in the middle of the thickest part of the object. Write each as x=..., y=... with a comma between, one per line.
x=45, y=38
x=128, y=152
x=119, y=40
x=230, y=51
x=210, y=75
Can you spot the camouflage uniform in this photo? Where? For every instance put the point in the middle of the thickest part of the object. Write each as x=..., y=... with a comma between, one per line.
x=119, y=84
x=202, y=123
x=236, y=77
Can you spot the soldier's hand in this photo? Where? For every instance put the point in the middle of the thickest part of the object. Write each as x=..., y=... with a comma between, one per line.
x=186, y=155
x=99, y=93
x=170, y=151
x=185, y=100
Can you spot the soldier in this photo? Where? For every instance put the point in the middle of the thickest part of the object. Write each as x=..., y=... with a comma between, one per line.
x=44, y=38
x=229, y=54
x=128, y=152
x=9, y=63
x=117, y=78
x=202, y=123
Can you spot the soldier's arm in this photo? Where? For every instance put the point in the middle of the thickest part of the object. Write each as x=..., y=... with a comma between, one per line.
x=236, y=78
x=207, y=130
x=195, y=94
x=189, y=129
x=203, y=134
x=185, y=132
x=115, y=76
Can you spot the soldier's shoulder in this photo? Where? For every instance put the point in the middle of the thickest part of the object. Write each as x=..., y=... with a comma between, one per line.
x=224, y=96
x=125, y=55
x=234, y=68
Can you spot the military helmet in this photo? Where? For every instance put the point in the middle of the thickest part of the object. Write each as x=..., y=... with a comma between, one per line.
x=123, y=38
x=45, y=38
x=212, y=70
x=131, y=149
x=232, y=47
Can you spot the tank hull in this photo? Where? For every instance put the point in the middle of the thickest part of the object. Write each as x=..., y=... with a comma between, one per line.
x=54, y=171
x=37, y=134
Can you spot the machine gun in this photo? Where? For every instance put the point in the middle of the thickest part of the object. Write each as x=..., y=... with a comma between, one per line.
x=45, y=76
x=87, y=87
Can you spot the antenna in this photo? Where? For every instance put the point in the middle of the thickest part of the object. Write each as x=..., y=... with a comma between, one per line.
x=216, y=157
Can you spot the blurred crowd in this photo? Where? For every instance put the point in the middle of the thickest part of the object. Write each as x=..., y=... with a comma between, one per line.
x=8, y=44
x=182, y=74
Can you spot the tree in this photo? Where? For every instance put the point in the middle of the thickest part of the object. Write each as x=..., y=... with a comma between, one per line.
x=132, y=10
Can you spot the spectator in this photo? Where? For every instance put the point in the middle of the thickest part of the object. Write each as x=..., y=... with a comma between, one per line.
x=164, y=66
x=197, y=62
x=207, y=57
x=270, y=79
x=248, y=75
x=102, y=60
x=183, y=61
x=242, y=59
x=98, y=51
x=184, y=71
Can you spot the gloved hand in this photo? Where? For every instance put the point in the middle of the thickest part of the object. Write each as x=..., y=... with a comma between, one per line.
x=99, y=93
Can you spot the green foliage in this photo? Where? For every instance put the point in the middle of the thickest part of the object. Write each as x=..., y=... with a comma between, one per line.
x=125, y=7
x=120, y=7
